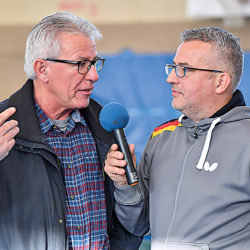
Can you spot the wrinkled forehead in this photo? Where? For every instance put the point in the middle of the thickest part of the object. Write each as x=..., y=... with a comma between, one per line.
x=77, y=45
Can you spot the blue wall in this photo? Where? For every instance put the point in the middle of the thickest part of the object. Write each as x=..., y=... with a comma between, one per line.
x=138, y=82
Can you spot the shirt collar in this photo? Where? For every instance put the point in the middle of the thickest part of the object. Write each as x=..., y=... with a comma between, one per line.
x=46, y=123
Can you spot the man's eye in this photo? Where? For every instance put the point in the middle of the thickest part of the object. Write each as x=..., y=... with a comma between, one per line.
x=83, y=64
x=188, y=69
x=183, y=68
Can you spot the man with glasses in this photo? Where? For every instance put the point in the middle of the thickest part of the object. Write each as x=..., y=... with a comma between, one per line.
x=194, y=188
x=54, y=192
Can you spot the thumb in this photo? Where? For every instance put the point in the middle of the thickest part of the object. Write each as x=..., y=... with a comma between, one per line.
x=132, y=151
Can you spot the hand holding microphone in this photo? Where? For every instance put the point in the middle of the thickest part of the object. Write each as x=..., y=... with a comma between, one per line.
x=114, y=117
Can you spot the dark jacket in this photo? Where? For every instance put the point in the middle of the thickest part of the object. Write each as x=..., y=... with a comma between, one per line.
x=32, y=191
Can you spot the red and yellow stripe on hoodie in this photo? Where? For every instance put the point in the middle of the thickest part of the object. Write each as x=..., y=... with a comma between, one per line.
x=170, y=126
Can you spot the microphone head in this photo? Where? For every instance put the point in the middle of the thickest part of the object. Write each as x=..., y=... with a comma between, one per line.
x=113, y=116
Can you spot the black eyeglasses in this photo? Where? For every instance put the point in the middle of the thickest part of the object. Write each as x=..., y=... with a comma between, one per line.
x=85, y=65
x=180, y=70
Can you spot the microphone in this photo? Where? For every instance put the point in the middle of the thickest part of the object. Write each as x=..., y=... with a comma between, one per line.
x=114, y=117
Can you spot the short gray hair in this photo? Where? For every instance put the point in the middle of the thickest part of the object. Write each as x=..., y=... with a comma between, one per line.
x=43, y=40
x=228, y=45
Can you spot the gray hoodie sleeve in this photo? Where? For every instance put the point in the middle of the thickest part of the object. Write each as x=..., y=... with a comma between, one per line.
x=132, y=207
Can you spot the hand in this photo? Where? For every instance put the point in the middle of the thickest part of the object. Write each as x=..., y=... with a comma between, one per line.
x=114, y=164
x=8, y=130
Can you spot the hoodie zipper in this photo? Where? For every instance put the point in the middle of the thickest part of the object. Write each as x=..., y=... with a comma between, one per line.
x=195, y=132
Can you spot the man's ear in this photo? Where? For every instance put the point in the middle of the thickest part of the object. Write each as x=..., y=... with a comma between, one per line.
x=223, y=83
x=40, y=67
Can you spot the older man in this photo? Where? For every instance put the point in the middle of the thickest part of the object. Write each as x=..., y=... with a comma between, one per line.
x=54, y=194
x=194, y=190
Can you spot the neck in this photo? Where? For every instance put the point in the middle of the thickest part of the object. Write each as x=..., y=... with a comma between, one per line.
x=48, y=104
x=210, y=110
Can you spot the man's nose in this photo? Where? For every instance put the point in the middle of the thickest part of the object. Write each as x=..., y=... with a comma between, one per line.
x=171, y=78
x=93, y=74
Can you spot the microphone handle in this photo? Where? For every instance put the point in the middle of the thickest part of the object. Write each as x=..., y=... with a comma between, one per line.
x=130, y=170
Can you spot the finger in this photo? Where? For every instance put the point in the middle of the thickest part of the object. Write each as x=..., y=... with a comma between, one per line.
x=5, y=149
x=132, y=148
x=111, y=170
x=116, y=174
x=132, y=151
x=114, y=147
x=115, y=155
x=11, y=134
x=6, y=114
x=115, y=159
x=7, y=126
x=10, y=145
x=119, y=180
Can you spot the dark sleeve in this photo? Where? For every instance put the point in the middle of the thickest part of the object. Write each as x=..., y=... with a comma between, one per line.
x=122, y=239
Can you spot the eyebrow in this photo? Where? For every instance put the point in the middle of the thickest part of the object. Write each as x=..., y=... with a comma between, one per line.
x=182, y=64
x=83, y=59
x=87, y=59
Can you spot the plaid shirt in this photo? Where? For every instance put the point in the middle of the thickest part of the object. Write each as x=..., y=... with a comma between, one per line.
x=86, y=224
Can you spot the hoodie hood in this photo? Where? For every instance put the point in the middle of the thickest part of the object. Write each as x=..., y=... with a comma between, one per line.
x=236, y=113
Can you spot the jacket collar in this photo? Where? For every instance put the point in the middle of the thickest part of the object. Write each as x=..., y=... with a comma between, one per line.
x=25, y=114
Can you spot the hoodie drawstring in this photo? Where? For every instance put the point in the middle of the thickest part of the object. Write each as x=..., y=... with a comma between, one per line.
x=180, y=118
x=204, y=152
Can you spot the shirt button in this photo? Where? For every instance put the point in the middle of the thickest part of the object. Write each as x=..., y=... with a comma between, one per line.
x=60, y=221
x=78, y=227
x=72, y=197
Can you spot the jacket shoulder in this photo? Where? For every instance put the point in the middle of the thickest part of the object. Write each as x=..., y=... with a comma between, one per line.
x=169, y=126
x=91, y=116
